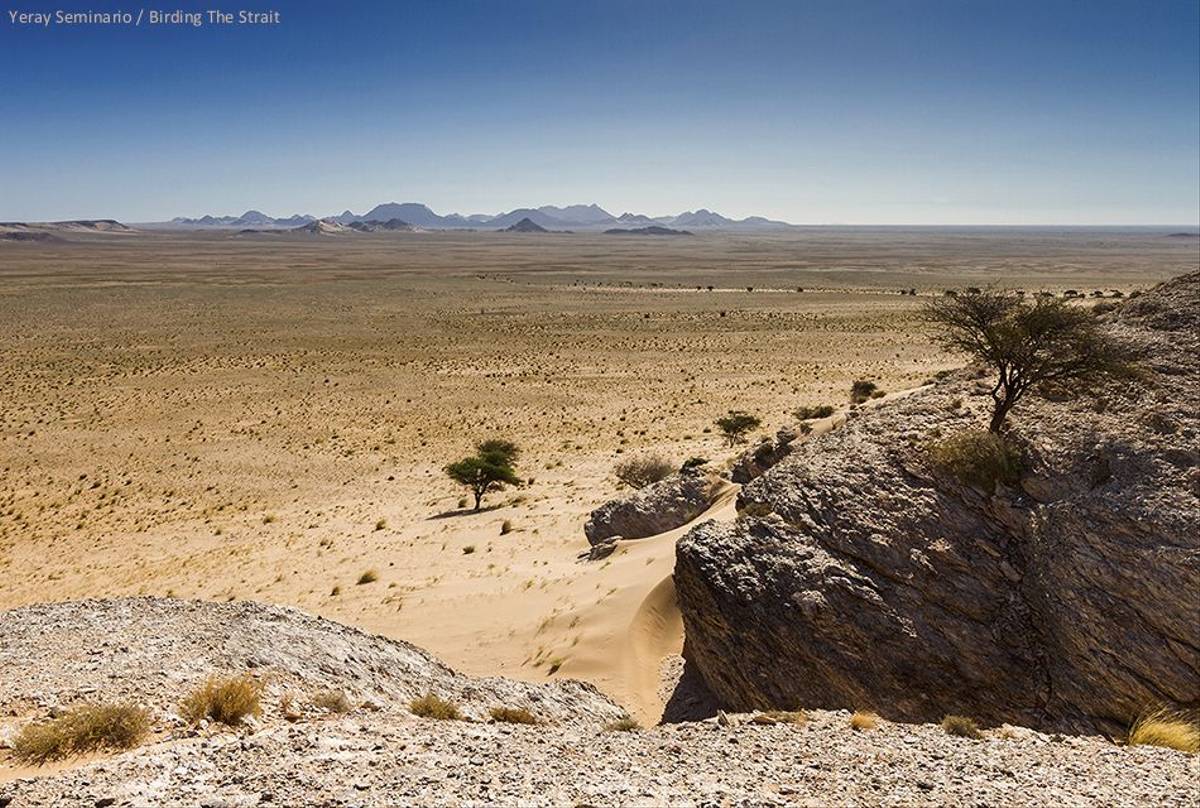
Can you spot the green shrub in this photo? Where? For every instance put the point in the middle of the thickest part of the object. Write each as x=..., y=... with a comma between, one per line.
x=862, y=390
x=979, y=458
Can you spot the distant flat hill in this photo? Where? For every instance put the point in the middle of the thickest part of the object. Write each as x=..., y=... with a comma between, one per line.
x=651, y=230
x=53, y=231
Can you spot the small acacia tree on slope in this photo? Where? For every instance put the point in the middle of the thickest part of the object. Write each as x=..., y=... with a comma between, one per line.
x=489, y=469
x=1027, y=345
x=736, y=424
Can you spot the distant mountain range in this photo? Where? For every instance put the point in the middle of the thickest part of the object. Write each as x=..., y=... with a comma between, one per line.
x=418, y=216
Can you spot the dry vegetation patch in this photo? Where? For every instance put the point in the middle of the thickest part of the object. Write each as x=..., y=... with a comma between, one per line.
x=87, y=728
x=962, y=727
x=433, y=706
x=225, y=700
x=332, y=701
x=513, y=715
x=1162, y=727
x=862, y=721
x=639, y=472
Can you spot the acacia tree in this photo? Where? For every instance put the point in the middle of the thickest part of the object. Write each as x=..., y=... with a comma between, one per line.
x=489, y=469
x=736, y=424
x=1027, y=345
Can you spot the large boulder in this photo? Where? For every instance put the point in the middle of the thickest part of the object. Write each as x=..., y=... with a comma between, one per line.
x=657, y=508
x=869, y=579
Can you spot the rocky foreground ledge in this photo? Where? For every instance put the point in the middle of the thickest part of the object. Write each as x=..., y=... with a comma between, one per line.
x=380, y=754
x=861, y=576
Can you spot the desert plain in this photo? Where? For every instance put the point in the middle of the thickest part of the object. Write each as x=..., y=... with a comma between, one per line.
x=267, y=416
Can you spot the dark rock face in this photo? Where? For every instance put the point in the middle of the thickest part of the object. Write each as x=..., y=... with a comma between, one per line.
x=754, y=462
x=657, y=508
x=875, y=582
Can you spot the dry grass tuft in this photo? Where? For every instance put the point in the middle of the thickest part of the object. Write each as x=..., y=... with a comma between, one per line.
x=513, y=715
x=625, y=724
x=432, y=706
x=1161, y=727
x=332, y=701
x=862, y=720
x=961, y=727
x=87, y=728
x=225, y=700
x=368, y=577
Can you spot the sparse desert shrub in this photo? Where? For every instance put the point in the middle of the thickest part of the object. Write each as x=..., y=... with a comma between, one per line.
x=368, y=577
x=381, y=524
x=226, y=700
x=639, y=472
x=862, y=390
x=433, y=706
x=625, y=724
x=87, y=728
x=736, y=424
x=979, y=458
x=961, y=727
x=333, y=701
x=1161, y=727
x=694, y=462
x=809, y=413
x=337, y=590
x=512, y=715
x=470, y=548
x=862, y=720
x=506, y=527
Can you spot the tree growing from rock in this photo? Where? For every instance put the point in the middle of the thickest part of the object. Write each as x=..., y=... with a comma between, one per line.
x=736, y=424
x=1027, y=345
x=489, y=469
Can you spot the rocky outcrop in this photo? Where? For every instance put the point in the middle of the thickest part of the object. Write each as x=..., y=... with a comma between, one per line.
x=874, y=581
x=753, y=463
x=154, y=650
x=657, y=508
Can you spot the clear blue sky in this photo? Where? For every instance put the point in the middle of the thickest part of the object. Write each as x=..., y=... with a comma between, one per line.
x=815, y=112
